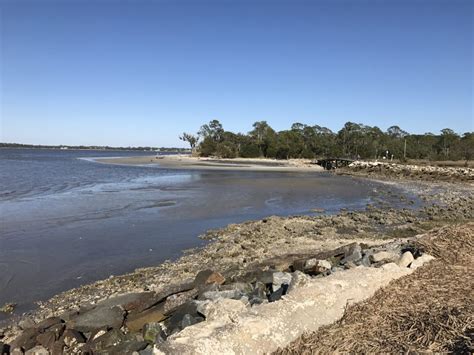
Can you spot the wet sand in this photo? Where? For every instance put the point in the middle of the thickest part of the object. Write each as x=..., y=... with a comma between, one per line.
x=240, y=164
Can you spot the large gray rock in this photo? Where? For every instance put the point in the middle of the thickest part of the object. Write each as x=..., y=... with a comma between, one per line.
x=97, y=318
x=215, y=295
x=221, y=308
x=48, y=323
x=135, y=322
x=47, y=339
x=109, y=340
x=182, y=317
x=176, y=300
x=132, y=302
x=26, y=340
x=352, y=253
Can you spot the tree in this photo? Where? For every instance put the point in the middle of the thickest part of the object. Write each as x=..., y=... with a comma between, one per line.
x=467, y=146
x=263, y=136
x=447, y=140
x=213, y=130
x=396, y=132
x=191, y=139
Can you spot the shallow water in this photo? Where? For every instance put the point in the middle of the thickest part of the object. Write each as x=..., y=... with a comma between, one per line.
x=67, y=221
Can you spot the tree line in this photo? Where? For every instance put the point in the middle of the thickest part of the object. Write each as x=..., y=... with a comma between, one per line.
x=354, y=140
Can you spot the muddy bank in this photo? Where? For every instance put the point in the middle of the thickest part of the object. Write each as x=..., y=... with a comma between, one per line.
x=272, y=244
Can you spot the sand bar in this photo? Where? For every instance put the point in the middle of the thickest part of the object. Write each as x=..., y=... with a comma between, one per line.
x=241, y=164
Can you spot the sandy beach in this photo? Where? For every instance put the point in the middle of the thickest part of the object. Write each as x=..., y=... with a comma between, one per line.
x=238, y=164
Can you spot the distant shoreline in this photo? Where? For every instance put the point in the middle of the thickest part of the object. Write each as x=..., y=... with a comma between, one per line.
x=181, y=161
x=110, y=149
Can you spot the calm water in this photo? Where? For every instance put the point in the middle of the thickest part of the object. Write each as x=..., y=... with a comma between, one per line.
x=67, y=221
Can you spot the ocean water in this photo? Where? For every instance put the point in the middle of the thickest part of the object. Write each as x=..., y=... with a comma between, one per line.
x=66, y=220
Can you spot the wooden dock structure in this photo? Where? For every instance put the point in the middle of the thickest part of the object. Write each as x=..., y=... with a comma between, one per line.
x=333, y=163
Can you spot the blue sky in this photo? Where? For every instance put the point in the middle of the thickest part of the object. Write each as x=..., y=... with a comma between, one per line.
x=141, y=72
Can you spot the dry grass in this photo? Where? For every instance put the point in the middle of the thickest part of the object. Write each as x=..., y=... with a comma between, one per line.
x=431, y=310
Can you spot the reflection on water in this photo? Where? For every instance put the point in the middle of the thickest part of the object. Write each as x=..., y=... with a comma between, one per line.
x=68, y=221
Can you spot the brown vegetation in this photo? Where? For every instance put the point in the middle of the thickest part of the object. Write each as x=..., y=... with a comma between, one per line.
x=430, y=310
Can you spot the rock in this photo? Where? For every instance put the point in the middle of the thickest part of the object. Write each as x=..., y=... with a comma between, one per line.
x=58, y=348
x=72, y=337
x=258, y=294
x=420, y=261
x=180, y=318
x=350, y=265
x=154, y=333
x=57, y=329
x=25, y=340
x=316, y=266
x=135, y=322
x=281, y=265
x=383, y=256
x=352, y=253
x=220, y=308
x=132, y=302
x=242, y=287
x=190, y=320
x=4, y=348
x=176, y=300
x=37, y=350
x=298, y=279
x=365, y=261
x=275, y=296
x=108, y=340
x=97, y=333
x=406, y=259
x=390, y=267
x=147, y=351
x=208, y=277
x=27, y=323
x=127, y=347
x=265, y=277
x=324, y=265
x=16, y=351
x=298, y=265
x=48, y=322
x=280, y=278
x=97, y=318
x=215, y=295
x=47, y=339
x=8, y=308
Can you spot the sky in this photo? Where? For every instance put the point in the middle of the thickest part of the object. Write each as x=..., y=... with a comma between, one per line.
x=139, y=73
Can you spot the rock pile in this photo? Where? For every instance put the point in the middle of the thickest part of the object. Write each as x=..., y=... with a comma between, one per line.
x=411, y=171
x=139, y=322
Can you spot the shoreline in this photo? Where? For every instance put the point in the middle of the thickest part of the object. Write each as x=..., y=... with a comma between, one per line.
x=178, y=161
x=238, y=248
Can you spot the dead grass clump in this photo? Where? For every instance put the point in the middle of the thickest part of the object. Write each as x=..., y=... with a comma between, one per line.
x=430, y=310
